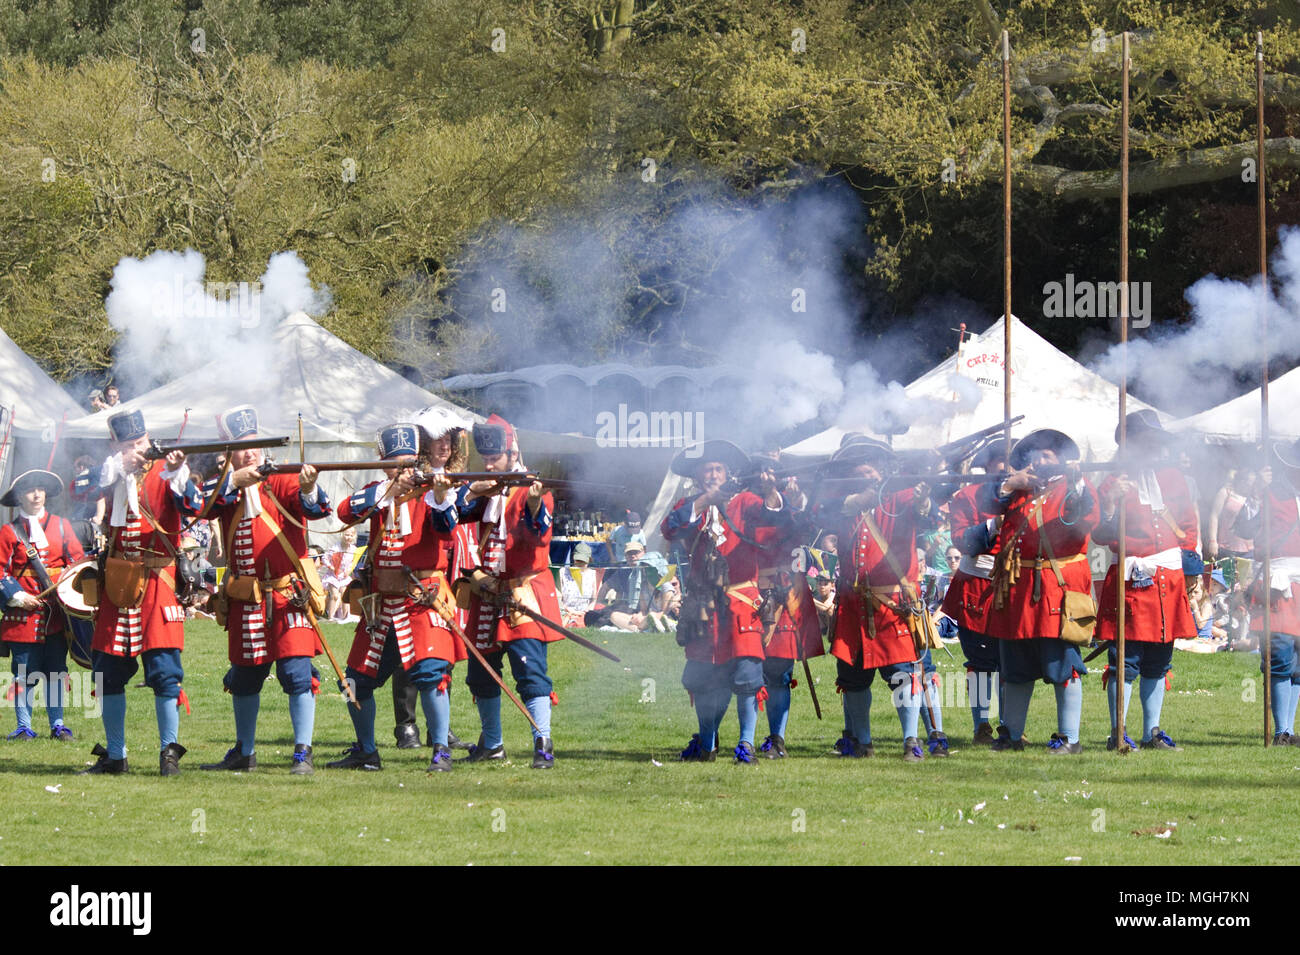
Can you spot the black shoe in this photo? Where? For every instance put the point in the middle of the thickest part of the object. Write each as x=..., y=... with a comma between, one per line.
x=543, y=753
x=695, y=752
x=453, y=741
x=478, y=753
x=850, y=747
x=169, y=760
x=111, y=767
x=937, y=744
x=773, y=747
x=408, y=736
x=1004, y=743
x=441, y=762
x=1284, y=739
x=355, y=758
x=234, y=760
x=913, y=751
x=1112, y=745
x=983, y=735
x=744, y=753
x=302, y=763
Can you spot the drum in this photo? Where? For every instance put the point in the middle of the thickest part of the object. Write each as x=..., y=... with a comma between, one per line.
x=79, y=614
x=69, y=589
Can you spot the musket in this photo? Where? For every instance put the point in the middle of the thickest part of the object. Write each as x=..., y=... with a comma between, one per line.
x=509, y=603
x=295, y=467
x=975, y=438
x=157, y=451
x=522, y=478
x=448, y=614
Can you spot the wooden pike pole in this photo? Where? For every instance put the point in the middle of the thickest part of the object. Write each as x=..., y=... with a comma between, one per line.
x=1266, y=634
x=1118, y=675
x=1006, y=243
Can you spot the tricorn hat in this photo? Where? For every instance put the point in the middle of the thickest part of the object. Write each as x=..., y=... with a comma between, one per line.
x=28, y=480
x=863, y=450
x=127, y=426
x=687, y=462
x=1044, y=439
x=1144, y=423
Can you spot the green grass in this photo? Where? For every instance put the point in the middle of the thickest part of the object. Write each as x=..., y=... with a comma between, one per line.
x=606, y=801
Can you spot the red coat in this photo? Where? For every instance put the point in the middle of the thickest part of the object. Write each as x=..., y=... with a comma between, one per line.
x=516, y=547
x=969, y=597
x=63, y=549
x=798, y=633
x=255, y=552
x=1021, y=617
x=420, y=632
x=740, y=632
x=1284, y=536
x=159, y=622
x=1160, y=613
x=866, y=565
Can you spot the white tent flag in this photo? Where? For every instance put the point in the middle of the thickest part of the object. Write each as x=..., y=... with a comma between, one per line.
x=1048, y=387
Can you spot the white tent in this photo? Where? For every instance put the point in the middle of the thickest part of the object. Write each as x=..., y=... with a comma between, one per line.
x=343, y=396
x=1048, y=387
x=36, y=402
x=32, y=403
x=1238, y=419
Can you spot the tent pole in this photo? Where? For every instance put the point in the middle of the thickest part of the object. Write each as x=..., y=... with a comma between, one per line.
x=1266, y=634
x=1120, y=669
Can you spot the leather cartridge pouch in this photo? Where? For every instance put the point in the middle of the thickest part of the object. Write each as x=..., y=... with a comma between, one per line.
x=1078, y=612
x=125, y=582
x=477, y=580
x=1078, y=618
x=391, y=580
x=247, y=589
x=521, y=591
x=89, y=587
x=220, y=608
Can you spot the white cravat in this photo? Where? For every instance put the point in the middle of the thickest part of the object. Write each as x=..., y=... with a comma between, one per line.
x=399, y=515
x=252, y=502
x=1148, y=488
x=126, y=496
x=36, y=533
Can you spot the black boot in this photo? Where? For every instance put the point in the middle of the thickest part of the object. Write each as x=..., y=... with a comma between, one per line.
x=111, y=767
x=302, y=764
x=542, y=753
x=234, y=760
x=169, y=759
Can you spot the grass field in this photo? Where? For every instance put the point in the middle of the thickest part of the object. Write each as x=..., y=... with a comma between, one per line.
x=616, y=794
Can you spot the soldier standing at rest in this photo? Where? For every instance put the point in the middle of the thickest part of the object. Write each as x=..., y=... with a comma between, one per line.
x=34, y=548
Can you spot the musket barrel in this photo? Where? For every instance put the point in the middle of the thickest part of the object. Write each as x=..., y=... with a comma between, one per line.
x=294, y=467
x=157, y=451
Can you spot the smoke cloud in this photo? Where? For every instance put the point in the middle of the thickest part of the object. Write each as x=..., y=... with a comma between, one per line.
x=765, y=287
x=1196, y=365
x=172, y=320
